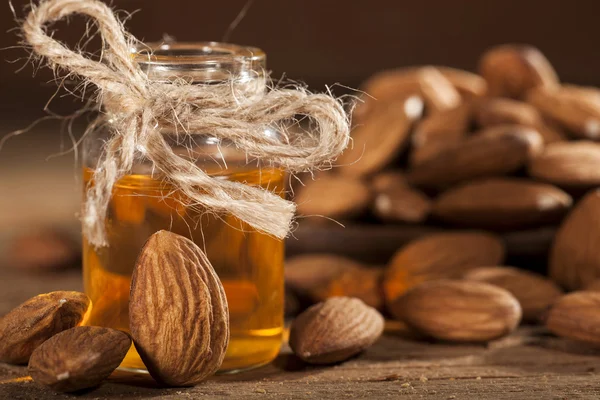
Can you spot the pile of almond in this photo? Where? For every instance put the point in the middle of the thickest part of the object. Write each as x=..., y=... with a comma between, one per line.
x=476, y=157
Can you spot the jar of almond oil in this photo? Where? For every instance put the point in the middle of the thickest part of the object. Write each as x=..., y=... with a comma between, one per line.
x=249, y=263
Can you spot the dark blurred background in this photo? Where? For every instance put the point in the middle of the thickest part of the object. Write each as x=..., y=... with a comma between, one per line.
x=324, y=42
x=320, y=42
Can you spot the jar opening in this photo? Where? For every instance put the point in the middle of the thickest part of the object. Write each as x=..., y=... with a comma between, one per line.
x=199, y=61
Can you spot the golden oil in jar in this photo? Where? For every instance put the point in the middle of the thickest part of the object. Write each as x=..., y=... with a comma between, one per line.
x=249, y=263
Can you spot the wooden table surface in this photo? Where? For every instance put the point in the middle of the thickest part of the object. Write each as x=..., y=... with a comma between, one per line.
x=527, y=365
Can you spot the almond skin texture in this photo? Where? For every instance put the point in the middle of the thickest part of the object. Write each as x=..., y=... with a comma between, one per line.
x=377, y=141
x=32, y=323
x=401, y=203
x=460, y=311
x=574, y=110
x=439, y=93
x=499, y=111
x=441, y=255
x=440, y=131
x=491, y=153
x=178, y=312
x=534, y=291
x=78, y=358
x=574, y=257
x=575, y=316
x=335, y=330
x=511, y=70
x=337, y=197
x=570, y=165
x=502, y=203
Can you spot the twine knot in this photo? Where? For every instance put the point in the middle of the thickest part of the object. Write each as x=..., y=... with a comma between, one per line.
x=237, y=110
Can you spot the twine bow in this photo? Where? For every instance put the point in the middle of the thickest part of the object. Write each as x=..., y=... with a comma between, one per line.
x=234, y=110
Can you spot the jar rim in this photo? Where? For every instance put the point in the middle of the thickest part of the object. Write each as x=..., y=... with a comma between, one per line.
x=196, y=53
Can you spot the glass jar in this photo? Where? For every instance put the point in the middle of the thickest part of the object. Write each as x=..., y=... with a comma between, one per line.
x=249, y=263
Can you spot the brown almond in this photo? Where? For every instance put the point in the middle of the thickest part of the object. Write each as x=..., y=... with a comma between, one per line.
x=511, y=70
x=502, y=203
x=460, y=311
x=499, y=111
x=78, y=358
x=575, y=316
x=534, y=291
x=305, y=272
x=401, y=204
x=574, y=257
x=497, y=151
x=570, y=165
x=335, y=330
x=575, y=111
x=437, y=256
x=181, y=337
x=386, y=179
x=32, y=323
x=378, y=140
x=468, y=84
x=440, y=131
x=321, y=276
x=334, y=197
x=439, y=93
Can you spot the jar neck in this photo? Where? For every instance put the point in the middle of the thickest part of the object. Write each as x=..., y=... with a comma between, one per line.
x=201, y=62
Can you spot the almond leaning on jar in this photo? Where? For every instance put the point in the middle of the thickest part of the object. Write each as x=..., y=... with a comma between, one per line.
x=438, y=256
x=534, y=292
x=38, y=319
x=335, y=330
x=460, y=311
x=178, y=348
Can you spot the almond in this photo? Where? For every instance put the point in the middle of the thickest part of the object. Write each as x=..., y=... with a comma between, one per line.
x=401, y=204
x=499, y=111
x=502, y=203
x=78, y=358
x=534, y=292
x=440, y=131
x=440, y=255
x=437, y=90
x=181, y=337
x=386, y=179
x=378, y=140
x=29, y=325
x=333, y=197
x=511, y=70
x=43, y=249
x=468, y=84
x=570, y=165
x=574, y=110
x=361, y=283
x=575, y=316
x=497, y=151
x=321, y=276
x=460, y=311
x=574, y=259
x=335, y=330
